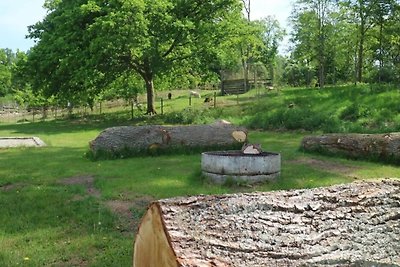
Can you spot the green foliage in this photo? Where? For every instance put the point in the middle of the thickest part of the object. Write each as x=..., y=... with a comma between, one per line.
x=48, y=222
x=7, y=61
x=193, y=116
x=354, y=112
x=155, y=151
x=84, y=46
x=292, y=119
x=363, y=109
x=344, y=41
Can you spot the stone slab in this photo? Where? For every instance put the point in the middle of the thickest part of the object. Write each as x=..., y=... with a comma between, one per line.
x=9, y=142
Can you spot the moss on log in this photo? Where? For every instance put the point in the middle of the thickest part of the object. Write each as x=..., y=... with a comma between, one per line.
x=345, y=225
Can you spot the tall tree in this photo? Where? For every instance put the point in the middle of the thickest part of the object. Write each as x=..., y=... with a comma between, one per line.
x=392, y=42
x=311, y=19
x=317, y=13
x=7, y=60
x=84, y=44
x=272, y=35
x=382, y=15
x=362, y=14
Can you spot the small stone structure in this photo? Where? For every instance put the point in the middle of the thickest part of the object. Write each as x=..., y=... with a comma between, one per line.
x=250, y=165
x=8, y=142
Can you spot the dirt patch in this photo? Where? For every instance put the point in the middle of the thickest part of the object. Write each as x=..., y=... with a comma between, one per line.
x=86, y=181
x=327, y=166
x=73, y=262
x=129, y=212
x=120, y=207
x=10, y=187
x=78, y=180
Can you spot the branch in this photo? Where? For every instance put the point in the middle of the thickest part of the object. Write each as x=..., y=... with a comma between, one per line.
x=173, y=45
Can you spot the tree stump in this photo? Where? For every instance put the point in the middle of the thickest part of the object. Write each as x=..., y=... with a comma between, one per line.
x=384, y=147
x=139, y=139
x=344, y=225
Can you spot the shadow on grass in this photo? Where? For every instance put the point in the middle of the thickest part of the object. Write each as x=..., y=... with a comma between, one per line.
x=40, y=165
x=35, y=207
x=64, y=126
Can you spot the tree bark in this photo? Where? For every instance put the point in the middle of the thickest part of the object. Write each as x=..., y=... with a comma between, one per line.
x=362, y=32
x=384, y=147
x=360, y=59
x=345, y=225
x=150, y=96
x=118, y=140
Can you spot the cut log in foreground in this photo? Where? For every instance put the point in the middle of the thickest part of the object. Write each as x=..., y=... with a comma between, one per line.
x=117, y=140
x=370, y=146
x=346, y=225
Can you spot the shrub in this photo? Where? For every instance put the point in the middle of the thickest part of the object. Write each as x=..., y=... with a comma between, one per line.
x=293, y=119
x=353, y=112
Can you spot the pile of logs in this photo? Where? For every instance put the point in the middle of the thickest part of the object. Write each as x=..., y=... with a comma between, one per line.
x=384, y=147
x=345, y=225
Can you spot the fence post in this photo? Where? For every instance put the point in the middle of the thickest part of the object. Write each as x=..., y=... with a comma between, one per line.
x=215, y=99
x=131, y=109
x=162, y=106
x=190, y=100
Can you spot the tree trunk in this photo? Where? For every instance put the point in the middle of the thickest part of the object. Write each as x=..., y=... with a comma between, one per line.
x=380, y=50
x=362, y=32
x=150, y=96
x=346, y=225
x=138, y=139
x=360, y=60
x=385, y=147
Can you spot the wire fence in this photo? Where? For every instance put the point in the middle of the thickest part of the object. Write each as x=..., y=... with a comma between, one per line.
x=165, y=103
x=13, y=113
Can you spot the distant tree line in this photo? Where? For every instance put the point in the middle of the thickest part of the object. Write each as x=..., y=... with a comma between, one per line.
x=91, y=50
x=336, y=41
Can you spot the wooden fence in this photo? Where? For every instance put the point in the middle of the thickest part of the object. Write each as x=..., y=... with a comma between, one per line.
x=241, y=86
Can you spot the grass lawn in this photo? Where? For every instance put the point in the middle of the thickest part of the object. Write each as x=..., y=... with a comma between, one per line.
x=60, y=209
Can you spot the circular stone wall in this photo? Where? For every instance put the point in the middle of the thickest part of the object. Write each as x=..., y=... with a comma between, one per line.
x=221, y=166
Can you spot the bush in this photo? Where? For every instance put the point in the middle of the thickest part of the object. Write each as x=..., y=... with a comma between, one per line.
x=293, y=119
x=353, y=112
x=193, y=116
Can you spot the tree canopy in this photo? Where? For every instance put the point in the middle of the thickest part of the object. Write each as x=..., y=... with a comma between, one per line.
x=88, y=49
x=346, y=40
x=84, y=45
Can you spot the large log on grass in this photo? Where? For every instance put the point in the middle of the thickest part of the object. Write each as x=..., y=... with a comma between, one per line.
x=370, y=146
x=131, y=139
x=345, y=225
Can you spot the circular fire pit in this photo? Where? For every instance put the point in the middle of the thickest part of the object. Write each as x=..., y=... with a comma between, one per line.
x=220, y=166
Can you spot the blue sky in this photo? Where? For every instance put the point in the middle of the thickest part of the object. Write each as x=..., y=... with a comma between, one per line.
x=17, y=15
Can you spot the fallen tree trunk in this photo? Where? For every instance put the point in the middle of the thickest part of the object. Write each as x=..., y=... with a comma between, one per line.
x=128, y=140
x=385, y=147
x=346, y=225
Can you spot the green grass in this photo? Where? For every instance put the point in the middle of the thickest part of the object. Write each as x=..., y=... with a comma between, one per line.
x=47, y=222
x=363, y=109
